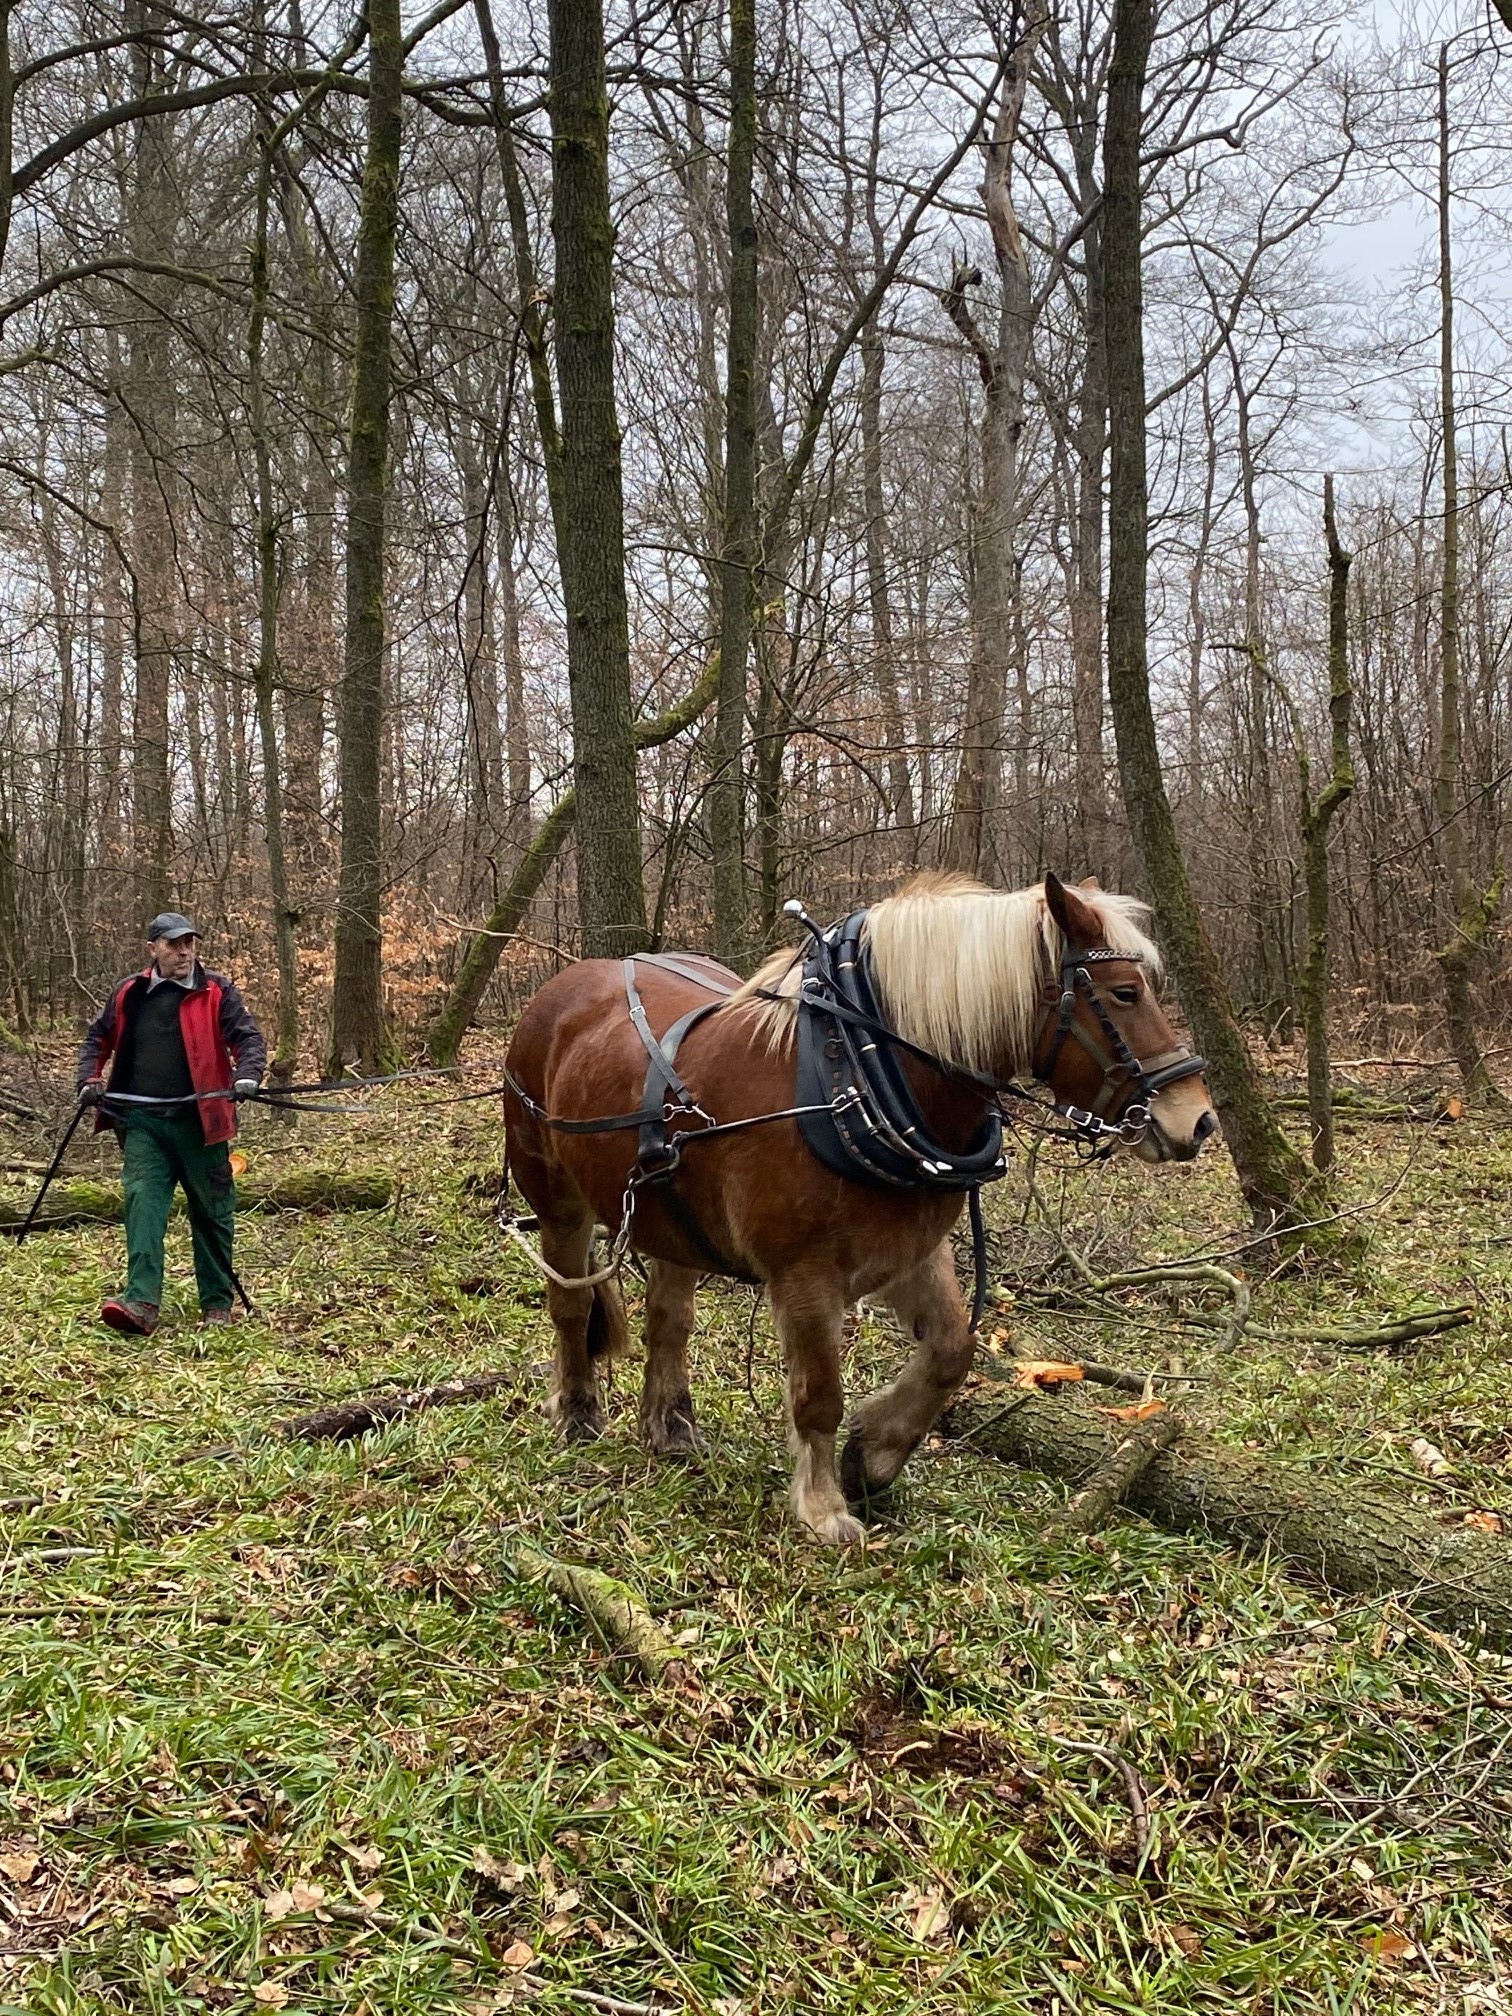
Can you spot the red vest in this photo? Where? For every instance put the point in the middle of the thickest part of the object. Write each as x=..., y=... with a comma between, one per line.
x=204, y=1047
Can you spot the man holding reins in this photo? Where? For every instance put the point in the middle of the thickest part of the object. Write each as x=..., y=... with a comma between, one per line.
x=177, y=1034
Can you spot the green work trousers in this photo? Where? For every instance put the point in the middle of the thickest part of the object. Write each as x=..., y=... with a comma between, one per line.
x=163, y=1149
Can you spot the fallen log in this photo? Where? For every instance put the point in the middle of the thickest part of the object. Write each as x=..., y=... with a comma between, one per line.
x=345, y=1419
x=620, y=1617
x=1352, y=1540
x=80, y=1202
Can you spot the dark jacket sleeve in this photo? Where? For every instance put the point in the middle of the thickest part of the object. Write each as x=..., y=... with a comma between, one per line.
x=99, y=1042
x=240, y=1033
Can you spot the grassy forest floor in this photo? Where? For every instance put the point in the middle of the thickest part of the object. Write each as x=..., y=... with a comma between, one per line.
x=281, y=1729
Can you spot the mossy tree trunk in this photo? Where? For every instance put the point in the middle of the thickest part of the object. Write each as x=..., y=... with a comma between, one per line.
x=1280, y=1188
x=358, y=1029
x=1316, y=818
x=591, y=530
x=1351, y=1539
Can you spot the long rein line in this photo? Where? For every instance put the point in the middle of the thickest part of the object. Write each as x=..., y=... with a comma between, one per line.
x=280, y=1097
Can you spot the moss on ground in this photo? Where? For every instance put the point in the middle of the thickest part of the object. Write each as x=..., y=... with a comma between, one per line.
x=279, y=1728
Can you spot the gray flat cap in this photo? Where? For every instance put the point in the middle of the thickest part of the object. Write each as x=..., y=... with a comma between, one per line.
x=172, y=924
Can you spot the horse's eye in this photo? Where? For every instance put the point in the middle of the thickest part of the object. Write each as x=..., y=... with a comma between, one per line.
x=1126, y=997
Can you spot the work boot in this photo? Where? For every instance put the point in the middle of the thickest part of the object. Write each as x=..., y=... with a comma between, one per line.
x=221, y=1313
x=137, y=1319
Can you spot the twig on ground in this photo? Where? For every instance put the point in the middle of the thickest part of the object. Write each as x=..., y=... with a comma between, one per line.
x=1090, y=1508
x=619, y=1615
x=1134, y=1785
x=348, y=1418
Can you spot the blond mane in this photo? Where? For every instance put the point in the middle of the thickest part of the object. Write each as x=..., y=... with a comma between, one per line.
x=958, y=967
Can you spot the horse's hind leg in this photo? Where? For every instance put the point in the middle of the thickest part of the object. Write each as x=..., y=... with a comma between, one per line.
x=890, y=1423
x=579, y=1318
x=666, y=1409
x=810, y=1321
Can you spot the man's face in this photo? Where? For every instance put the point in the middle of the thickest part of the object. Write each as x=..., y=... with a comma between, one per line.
x=174, y=957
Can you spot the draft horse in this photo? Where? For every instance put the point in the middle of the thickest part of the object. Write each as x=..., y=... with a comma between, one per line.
x=949, y=993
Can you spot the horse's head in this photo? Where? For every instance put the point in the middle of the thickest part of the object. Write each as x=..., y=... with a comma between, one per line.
x=1104, y=1045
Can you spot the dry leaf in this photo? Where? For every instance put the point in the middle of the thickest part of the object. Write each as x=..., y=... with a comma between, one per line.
x=1140, y=1411
x=509, y=1876
x=181, y=1886
x=271, y=1995
x=278, y=1904
x=928, y=1917
x=1389, y=1944
x=18, y=1864
x=1454, y=1109
x=1485, y=1522
x=307, y=1896
x=518, y=1955
x=1041, y=1373
x=367, y=1859
x=1428, y=1457
x=1185, y=1940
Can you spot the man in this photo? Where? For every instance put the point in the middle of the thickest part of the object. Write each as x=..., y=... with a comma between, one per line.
x=173, y=1030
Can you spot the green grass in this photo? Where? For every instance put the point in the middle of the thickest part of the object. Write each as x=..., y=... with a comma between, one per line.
x=285, y=1665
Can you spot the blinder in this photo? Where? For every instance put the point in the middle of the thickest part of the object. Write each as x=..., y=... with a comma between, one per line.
x=1112, y=1120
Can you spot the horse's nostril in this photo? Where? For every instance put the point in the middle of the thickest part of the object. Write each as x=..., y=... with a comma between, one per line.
x=1206, y=1127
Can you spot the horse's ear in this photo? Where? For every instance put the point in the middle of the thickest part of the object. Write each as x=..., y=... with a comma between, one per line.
x=1089, y=882
x=1078, y=920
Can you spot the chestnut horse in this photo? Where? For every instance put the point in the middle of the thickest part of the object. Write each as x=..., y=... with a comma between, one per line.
x=971, y=975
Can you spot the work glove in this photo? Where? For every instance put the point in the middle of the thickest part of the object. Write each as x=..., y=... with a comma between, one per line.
x=245, y=1087
x=92, y=1093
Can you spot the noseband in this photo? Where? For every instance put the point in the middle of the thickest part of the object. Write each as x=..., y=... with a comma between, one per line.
x=1120, y=1114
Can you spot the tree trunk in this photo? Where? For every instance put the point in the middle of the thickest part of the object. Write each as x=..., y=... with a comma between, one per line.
x=486, y=792
x=81, y=1202
x=591, y=532
x=150, y=399
x=115, y=620
x=727, y=784
x=973, y=838
x=1316, y=820
x=1091, y=441
x=266, y=673
x=357, y=1026
x=884, y=657
x=1351, y=1540
x=1279, y=1187
x=511, y=651
x=1475, y=909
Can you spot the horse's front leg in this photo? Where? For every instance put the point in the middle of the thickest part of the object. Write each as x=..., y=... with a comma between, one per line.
x=810, y=1316
x=891, y=1423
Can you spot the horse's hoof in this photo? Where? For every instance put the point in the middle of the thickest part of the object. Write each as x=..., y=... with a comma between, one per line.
x=578, y=1424
x=674, y=1437
x=839, y=1529
x=859, y=1491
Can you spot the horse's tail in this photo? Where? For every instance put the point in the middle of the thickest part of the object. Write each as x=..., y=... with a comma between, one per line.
x=608, y=1325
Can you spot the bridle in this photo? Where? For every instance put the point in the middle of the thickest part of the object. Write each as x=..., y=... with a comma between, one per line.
x=1120, y=1114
